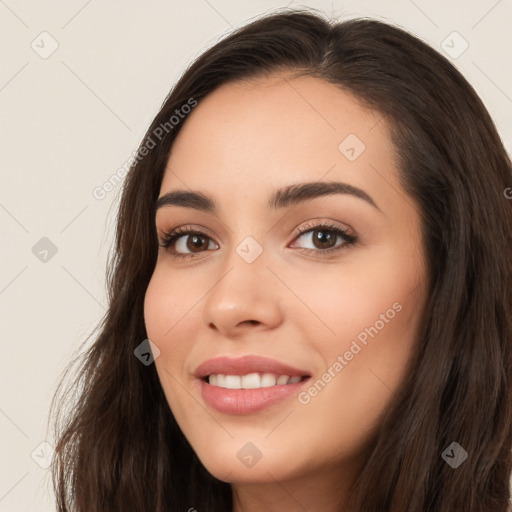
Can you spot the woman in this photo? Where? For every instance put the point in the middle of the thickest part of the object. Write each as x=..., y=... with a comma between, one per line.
x=368, y=370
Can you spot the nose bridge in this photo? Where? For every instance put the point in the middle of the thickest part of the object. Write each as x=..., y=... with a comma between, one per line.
x=247, y=240
x=243, y=292
x=244, y=272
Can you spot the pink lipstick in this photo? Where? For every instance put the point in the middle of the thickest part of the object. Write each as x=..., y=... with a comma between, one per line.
x=247, y=384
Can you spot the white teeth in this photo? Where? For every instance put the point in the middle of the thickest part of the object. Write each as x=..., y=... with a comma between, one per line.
x=233, y=382
x=267, y=380
x=251, y=380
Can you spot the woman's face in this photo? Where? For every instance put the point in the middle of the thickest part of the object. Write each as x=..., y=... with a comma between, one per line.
x=338, y=306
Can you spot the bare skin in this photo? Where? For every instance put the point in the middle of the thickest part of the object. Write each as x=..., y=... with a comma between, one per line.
x=240, y=144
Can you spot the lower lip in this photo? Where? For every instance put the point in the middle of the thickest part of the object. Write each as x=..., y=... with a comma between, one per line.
x=246, y=401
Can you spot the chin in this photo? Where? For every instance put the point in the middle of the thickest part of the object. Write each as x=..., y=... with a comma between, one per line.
x=247, y=464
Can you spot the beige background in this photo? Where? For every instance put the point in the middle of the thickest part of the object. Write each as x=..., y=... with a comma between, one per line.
x=71, y=119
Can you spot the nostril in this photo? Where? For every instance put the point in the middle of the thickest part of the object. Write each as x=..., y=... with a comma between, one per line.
x=252, y=322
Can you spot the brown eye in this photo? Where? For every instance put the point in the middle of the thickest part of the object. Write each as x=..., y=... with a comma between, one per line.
x=324, y=239
x=195, y=243
x=185, y=243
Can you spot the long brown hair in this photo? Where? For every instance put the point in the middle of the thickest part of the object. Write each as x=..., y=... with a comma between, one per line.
x=119, y=447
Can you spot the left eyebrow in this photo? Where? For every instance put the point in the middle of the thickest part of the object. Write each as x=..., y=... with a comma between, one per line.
x=281, y=198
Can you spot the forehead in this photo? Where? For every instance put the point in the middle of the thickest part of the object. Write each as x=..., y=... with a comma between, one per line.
x=255, y=136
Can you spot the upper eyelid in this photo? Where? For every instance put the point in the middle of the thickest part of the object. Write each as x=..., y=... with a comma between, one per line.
x=188, y=230
x=310, y=225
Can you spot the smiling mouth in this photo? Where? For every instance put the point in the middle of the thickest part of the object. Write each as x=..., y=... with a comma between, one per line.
x=255, y=380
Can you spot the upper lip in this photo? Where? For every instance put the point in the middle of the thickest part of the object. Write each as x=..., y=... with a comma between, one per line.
x=245, y=365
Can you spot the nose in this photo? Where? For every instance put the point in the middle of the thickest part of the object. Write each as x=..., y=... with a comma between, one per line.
x=244, y=298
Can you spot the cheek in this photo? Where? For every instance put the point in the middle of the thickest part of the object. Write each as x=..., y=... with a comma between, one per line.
x=371, y=318
x=379, y=297
x=166, y=319
x=167, y=306
x=342, y=305
x=153, y=301
x=168, y=315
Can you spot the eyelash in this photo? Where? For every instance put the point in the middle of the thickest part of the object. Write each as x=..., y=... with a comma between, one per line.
x=174, y=235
